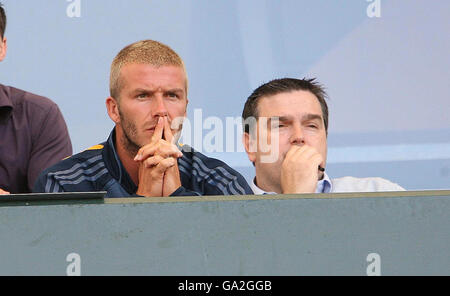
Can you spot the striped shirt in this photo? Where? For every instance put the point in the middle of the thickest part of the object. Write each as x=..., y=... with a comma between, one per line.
x=100, y=169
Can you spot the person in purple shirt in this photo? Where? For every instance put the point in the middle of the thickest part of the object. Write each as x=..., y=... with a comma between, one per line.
x=33, y=133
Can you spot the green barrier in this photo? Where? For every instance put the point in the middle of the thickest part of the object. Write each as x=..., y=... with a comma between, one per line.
x=390, y=233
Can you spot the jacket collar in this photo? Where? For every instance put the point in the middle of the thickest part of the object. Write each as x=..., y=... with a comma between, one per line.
x=115, y=166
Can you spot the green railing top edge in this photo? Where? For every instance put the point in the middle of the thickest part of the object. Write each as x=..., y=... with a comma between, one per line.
x=219, y=198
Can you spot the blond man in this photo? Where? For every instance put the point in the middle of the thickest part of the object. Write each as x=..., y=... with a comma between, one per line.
x=147, y=102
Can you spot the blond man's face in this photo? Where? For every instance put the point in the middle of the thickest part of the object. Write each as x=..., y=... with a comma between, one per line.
x=147, y=93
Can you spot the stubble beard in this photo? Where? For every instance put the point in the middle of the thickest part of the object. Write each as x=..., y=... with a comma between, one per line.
x=129, y=131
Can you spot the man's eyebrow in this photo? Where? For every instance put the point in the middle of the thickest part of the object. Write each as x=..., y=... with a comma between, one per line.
x=311, y=117
x=151, y=90
x=177, y=91
x=142, y=90
x=174, y=90
x=286, y=118
x=280, y=118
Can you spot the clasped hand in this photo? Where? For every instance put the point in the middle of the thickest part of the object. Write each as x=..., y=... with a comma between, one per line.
x=299, y=171
x=158, y=166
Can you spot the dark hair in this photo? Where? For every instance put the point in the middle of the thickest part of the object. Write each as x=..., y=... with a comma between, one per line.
x=2, y=20
x=284, y=85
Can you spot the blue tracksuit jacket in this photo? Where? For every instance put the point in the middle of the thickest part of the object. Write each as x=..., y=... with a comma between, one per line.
x=100, y=169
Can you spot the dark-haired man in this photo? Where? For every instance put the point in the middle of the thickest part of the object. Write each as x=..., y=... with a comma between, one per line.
x=287, y=141
x=33, y=133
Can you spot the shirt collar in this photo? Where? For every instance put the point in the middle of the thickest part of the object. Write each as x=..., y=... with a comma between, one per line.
x=323, y=186
x=6, y=105
x=257, y=190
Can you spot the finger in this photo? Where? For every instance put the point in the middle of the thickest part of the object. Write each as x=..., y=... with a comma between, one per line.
x=168, y=136
x=305, y=152
x=164, y=165
x=146, y=151
x=167, y=149
x=297, y=152
x=152, y=161
x=292, y=151
x=157, y=135
x=171, y=180
x=162, y=148
x=312, y=155
x=316, y=160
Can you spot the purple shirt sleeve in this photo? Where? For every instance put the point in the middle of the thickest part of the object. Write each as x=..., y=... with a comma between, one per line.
x=33, y=137
x=50, y=144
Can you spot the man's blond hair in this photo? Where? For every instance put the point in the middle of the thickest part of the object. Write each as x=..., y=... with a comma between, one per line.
x=148, y=52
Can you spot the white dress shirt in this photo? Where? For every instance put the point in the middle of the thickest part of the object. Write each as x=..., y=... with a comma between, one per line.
x=345, y=184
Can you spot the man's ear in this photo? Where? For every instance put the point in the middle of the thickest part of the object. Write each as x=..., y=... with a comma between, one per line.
x=112, y=106
x=250, y=146
x=3, y=48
